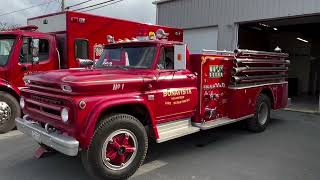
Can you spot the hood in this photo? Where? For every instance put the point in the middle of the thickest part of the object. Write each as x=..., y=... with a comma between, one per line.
x=92, y=80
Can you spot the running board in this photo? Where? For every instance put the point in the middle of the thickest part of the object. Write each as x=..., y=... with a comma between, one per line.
x=175, y=129
x=219, y=122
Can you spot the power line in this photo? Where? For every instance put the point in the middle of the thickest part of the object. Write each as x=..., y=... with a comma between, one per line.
x=45, y=11
x=30, y=7
x=102, y=6
x=94, y=5
x=68, y=7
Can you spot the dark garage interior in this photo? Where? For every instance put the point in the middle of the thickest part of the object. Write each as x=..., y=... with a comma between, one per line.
x=300, y=38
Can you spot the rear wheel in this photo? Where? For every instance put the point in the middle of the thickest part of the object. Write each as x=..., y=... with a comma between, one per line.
x=117, y=149
x=262, y=116
x=9, y=110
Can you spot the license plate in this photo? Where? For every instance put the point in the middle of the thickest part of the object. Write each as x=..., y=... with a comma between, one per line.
x=36, y=136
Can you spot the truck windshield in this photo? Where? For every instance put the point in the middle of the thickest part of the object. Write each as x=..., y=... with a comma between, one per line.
x=127, y=57
x=6, y=44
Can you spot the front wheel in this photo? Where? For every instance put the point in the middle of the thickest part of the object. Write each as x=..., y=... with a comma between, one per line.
x=262, y=115
x=9, y=110
x=117, y=149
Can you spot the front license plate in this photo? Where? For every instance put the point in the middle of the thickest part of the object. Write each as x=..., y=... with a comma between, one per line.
x=36, y=136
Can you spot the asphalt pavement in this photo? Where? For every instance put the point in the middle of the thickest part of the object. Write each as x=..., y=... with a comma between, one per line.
x=288, y=150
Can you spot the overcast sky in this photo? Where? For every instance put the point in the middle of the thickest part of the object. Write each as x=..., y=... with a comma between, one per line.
x=136, y=10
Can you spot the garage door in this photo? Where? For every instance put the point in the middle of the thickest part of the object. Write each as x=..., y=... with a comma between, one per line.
x=201, y=38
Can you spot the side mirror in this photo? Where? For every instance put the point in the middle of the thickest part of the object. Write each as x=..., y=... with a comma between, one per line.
x=85, y=62
x=35, y=50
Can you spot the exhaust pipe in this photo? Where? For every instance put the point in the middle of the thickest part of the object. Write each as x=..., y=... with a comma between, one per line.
x=259, y=69
x=260, y=61
x=241, y=79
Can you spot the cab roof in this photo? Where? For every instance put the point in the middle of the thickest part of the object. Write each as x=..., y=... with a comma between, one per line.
x=22, y=32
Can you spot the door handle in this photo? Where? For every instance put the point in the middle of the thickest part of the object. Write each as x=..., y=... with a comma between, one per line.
x=190, y=76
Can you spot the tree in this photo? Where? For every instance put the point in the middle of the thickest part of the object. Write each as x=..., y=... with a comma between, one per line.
x=4, y=26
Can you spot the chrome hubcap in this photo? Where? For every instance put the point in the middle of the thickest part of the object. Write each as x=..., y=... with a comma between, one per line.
x=5, y=112
x=263, y=113
x=119, y=149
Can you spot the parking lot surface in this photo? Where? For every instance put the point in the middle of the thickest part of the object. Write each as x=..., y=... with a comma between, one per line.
x=288, y=150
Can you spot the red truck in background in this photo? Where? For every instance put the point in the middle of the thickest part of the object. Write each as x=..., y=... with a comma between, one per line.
x=64, y=40
x=150, y=89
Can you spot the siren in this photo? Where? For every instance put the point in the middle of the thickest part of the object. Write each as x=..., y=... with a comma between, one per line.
x=161, y=34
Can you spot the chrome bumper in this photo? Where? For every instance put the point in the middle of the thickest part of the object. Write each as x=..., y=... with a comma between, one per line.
x=62, y=143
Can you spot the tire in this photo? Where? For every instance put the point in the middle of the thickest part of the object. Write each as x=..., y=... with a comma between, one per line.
x=113, y=137
x=261, y=118
x=9, y=106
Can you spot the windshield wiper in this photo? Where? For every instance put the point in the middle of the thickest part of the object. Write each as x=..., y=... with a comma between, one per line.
x=114, y=67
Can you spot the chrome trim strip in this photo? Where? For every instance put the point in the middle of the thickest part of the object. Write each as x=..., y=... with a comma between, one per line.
x=62, y=143
x=256, y=85
x=220, y=122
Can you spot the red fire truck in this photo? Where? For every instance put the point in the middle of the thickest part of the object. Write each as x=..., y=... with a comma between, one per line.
x=148, y=89
x=64, y=40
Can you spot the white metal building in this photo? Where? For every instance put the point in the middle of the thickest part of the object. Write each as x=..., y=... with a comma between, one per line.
x=293, y=25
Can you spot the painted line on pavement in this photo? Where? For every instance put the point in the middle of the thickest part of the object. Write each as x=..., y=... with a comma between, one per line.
x=10, y=134
x=151, y=166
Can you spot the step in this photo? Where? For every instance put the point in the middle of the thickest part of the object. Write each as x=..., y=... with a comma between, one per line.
x=175, y=129
x=219, y=122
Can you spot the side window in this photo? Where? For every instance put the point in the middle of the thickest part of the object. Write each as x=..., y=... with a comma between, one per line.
x=26, y=54
x=43, y=49
x=81, y=48
x=166, y=59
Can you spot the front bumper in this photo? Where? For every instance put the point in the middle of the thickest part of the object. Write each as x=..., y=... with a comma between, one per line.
x=62, y=143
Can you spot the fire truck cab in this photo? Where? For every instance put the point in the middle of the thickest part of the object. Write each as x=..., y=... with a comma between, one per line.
x=57, y=41
x=143, y=89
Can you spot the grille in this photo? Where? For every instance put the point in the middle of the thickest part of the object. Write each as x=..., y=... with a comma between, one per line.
x=46, y=100
x=45, y=106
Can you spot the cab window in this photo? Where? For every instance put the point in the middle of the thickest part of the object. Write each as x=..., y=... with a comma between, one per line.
x=81, y=49
x=26, y=54
x=166, y=59
x=43, y=49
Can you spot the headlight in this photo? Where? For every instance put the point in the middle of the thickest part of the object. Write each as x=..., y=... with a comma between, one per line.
x=65, y=115
x=66, y=88
x=22, y=103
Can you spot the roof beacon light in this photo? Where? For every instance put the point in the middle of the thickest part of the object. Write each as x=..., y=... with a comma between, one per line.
x=152, y=35
x=110, y=39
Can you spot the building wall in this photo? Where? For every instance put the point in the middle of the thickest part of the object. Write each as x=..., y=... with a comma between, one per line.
x=226, y=14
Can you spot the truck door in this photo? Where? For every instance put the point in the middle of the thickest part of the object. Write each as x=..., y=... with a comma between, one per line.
x=25, y=62
x=177, y=91
x=46, y=58
x=47, y=55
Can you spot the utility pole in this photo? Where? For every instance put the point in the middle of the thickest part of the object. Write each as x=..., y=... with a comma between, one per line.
x=62, y=5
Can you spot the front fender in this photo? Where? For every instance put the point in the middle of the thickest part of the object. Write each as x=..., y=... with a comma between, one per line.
x=100, y=107
x=6, y=86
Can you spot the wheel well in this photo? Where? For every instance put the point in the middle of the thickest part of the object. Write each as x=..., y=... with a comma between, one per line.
x=10, y=91
x=268, y=93
x=138, y=111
